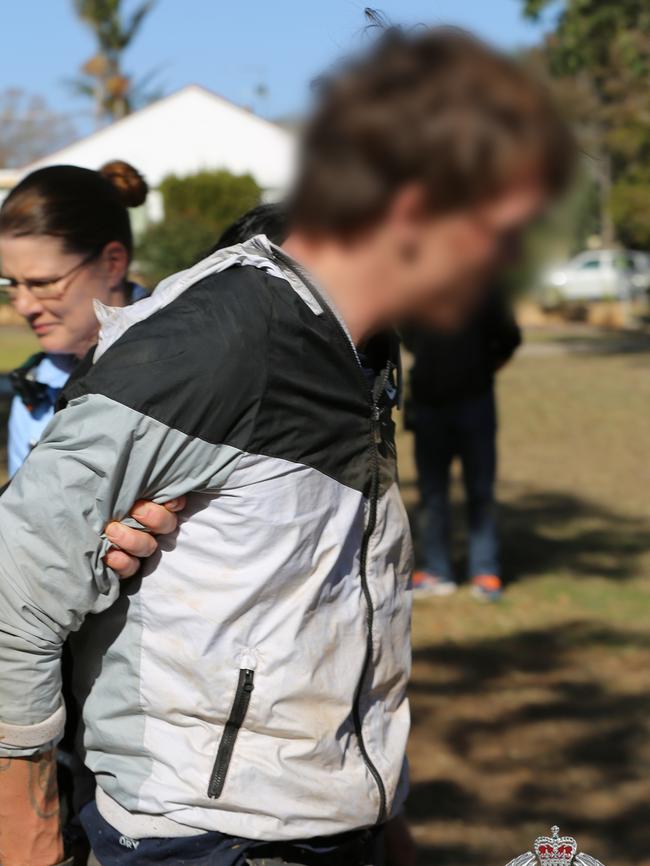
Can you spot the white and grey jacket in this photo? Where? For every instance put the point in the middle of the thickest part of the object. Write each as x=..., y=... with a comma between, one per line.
x=252, y=679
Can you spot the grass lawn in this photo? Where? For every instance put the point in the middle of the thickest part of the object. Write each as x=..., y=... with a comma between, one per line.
x=537, y=711
x=16, y=344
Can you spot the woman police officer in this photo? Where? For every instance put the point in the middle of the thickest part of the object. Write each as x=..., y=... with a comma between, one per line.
x=66, y=242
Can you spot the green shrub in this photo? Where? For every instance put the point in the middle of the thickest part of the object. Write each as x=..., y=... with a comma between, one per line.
x=171, y=246
x=197, y=209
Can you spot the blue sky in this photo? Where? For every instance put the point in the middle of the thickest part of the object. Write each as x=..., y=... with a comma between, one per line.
x=227, y=45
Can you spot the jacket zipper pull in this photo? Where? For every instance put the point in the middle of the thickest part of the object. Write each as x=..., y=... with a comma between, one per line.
x=248, y=681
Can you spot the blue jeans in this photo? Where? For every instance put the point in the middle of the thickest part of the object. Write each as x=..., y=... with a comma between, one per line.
x=466, y=429
x=356, y=848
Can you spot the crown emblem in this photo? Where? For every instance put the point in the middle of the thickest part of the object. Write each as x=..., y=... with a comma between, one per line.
x=555, y=850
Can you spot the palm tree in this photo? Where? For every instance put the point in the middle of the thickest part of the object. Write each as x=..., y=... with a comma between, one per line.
x=103, y=79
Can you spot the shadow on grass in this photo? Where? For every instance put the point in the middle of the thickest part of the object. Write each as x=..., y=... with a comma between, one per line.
x=534, y=735
x=446, y=855
x=474, y=665
x=543, y=532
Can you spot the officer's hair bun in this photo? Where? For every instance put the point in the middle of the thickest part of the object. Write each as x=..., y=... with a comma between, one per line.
x=129, y=184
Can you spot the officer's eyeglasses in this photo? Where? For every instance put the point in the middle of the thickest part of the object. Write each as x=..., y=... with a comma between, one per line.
x=44, y=290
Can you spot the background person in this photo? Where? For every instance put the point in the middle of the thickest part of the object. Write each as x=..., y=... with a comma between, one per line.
x=269, y=219
x=65, y=242
x=453, y=414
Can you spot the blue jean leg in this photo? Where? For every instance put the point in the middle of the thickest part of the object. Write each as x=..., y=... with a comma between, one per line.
x=466, y=429
x=477, y=428
x=434, y=452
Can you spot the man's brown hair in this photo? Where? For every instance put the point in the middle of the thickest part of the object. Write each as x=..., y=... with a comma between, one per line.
x=434, y=106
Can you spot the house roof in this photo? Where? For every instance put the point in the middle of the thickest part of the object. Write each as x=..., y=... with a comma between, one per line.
x=186, y=131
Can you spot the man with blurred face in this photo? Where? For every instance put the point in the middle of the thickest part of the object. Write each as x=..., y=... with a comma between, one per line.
x=245, y=699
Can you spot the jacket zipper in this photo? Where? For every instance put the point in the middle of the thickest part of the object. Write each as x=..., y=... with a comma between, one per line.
x=375, y=438
x=229, y=737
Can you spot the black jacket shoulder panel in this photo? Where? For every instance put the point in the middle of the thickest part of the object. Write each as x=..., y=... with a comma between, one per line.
x=197, y=365
x=315, y=409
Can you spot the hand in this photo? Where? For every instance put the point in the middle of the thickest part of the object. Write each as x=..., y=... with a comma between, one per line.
x=135, y=544
x=30, y=834
x=399, y=843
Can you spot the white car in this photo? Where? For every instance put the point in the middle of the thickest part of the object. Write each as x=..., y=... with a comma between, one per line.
x=599, y=275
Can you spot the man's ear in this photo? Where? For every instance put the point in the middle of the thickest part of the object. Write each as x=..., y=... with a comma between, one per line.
x=407, y=214
x=409, y=205
x=115, y=261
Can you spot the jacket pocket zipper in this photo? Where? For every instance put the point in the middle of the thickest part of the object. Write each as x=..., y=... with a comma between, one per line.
x=235, y=721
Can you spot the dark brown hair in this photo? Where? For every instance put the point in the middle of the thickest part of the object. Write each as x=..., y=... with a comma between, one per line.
x=86, y=209
x=430, y=105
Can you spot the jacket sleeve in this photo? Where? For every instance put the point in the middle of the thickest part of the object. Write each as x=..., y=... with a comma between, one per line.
x=96, y=458
x=166, y=411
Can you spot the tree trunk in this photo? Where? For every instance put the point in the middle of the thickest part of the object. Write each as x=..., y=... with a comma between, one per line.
x=607, y=226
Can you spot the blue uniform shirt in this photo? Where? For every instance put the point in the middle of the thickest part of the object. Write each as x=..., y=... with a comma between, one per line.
x=26, y=426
